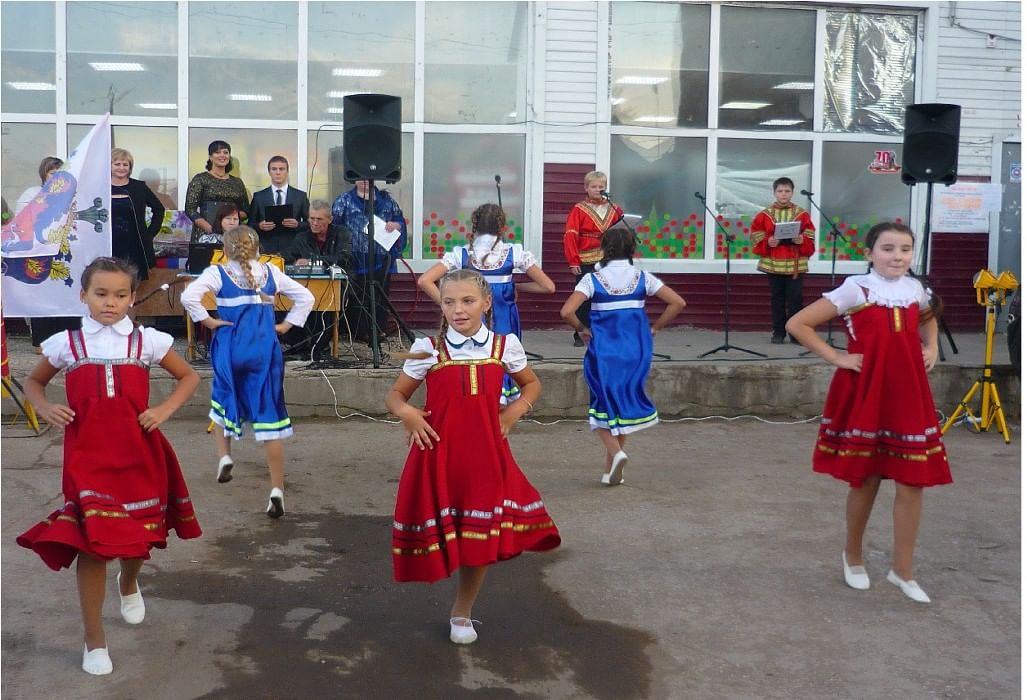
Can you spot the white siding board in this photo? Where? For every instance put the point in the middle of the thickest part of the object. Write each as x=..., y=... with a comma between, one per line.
x=567, y=12
x=558, y=77
x=572, y=35
x=560, y=54
x=985, y=82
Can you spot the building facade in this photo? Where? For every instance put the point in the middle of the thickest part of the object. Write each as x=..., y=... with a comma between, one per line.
x=671, y=99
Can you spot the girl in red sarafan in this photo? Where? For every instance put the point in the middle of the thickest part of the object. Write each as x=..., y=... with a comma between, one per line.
x=463, y=502
x=123, y=495
x=879, y=419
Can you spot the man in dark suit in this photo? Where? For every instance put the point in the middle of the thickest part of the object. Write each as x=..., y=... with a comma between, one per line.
x=274, y=238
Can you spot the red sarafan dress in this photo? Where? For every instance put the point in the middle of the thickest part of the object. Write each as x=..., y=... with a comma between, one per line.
x=881, y=421
x=465, y=502
x=123, y=487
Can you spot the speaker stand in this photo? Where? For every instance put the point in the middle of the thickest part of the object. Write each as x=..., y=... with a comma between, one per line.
x=924, y=261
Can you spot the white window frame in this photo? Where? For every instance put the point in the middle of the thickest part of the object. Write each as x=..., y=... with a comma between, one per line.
x=534, y=79
x=926, y=47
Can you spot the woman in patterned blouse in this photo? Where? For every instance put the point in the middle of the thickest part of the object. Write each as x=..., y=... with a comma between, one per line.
x=214, y=185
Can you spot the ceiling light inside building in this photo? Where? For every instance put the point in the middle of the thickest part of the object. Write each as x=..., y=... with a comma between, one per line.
x=641, y=80
x=157, y=105
x=32, y=86
x=339, y=94
x=249, y=98
x=358, y=72
x=741, y=104
x=654, y=118
x=123, y=67
x=781, y=122
x=795, y=85
x=334, y=110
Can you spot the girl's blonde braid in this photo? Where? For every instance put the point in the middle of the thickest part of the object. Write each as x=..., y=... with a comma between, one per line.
x=242, y=246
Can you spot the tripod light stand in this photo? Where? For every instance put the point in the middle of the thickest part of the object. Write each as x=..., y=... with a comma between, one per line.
x=991, y=294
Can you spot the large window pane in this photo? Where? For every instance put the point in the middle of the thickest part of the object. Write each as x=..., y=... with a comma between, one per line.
x=861, y=187
x=455, y=186
x=475, y=57
x=242, y=60
x=359, y=47
x=869, y=67
x=28, y=67
x=154, y=150
x=655, y=177
x=746, y=170
x=324, y=179
x=22, y=146
x=122, y=58
x=766, y=68
x=661, y=56
x=251, y=150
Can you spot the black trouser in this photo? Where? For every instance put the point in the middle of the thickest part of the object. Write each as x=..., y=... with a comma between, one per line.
x=358, y=310
x=584, y=312
x=785, y=300
x=43, y=328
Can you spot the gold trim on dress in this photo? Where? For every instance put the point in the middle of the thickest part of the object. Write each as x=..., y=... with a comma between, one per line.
x=921, y=457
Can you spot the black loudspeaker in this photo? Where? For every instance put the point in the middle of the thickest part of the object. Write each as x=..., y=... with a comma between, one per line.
x=930, y=147
x=372, y=138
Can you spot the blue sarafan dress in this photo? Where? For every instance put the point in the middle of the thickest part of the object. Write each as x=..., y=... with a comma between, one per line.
x=249, y=369
x=618, y=357
x=497, y=262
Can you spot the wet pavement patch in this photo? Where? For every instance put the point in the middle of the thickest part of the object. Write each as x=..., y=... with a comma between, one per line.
x=329, y=621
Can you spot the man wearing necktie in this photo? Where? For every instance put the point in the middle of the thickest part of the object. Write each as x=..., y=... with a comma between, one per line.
x=276, y=235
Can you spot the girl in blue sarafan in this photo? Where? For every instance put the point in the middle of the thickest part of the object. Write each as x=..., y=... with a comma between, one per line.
x=497, y=261
x=249, y=370
x=620, y=344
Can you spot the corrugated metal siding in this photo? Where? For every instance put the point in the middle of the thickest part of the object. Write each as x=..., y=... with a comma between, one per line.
x=984, y=81
x=572, y=33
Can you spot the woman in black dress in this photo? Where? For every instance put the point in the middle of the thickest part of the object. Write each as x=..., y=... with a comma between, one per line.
x=132, y=237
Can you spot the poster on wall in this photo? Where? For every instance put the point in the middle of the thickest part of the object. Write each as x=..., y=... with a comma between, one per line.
x=965, y=207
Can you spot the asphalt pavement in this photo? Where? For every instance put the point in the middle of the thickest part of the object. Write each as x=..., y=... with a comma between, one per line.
x=713, y=572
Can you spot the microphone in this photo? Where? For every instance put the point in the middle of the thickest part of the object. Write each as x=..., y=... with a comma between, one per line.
x=605, y=194
x=806, y=193
x=163, y=288
x=698, y=195
x=498, y=179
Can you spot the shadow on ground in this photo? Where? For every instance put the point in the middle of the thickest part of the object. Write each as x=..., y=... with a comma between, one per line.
x=328, y=621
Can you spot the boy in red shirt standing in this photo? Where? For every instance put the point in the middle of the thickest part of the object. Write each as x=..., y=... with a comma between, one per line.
x=784, y=260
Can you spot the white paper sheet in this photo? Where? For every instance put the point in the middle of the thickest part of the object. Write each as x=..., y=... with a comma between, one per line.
x=386, y=239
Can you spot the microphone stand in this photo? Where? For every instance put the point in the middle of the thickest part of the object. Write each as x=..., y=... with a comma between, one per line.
x=728, y=238
x=835, y=234
x=372, y=289
x=499, y=197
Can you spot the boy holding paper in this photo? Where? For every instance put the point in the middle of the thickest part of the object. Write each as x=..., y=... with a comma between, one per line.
x=783, y=237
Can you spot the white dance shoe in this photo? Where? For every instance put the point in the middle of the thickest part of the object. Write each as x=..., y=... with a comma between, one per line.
x=616, y=474
x=133, y=609
x=225, y=465
x=96, y=662
x=912, y=590
x=461, y=630
x=276, y=503
x=855, y=576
